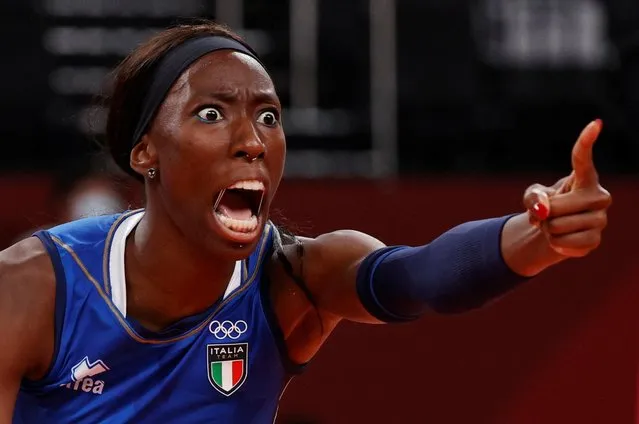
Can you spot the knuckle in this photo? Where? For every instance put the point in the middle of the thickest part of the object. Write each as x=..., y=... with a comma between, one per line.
x=594, y=240
x=604, y=194
x=535, y=189
x=533, y=193
x=601, y=219
x=581, y=253
x=571, y=252
x=536, y=186
x=600, y=198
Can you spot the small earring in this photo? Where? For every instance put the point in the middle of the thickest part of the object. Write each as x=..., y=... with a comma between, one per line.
x=152, y=172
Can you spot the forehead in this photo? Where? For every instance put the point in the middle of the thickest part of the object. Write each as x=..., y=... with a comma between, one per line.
x=223, y=70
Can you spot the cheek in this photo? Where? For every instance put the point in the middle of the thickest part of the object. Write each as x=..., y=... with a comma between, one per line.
x=196, y=146
x=276, y=159
x=190, y=161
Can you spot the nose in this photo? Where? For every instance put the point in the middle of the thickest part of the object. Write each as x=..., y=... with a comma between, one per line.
x=247, y=143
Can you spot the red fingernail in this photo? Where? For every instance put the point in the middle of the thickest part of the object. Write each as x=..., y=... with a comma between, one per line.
x=540, y=211
x=599, y=122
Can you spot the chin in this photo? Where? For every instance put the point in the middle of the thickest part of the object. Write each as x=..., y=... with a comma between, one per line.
x=233, y=242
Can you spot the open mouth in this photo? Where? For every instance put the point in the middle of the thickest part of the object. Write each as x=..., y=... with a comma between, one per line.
x=238, y=206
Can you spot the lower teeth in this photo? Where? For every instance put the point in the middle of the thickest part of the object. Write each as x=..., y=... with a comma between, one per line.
x=239, y=225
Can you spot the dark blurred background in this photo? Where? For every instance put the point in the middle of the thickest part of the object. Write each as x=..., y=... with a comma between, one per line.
x=486, y=86
x=390, y=106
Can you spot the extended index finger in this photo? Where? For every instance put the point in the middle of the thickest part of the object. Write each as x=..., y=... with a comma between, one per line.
x=582, y=157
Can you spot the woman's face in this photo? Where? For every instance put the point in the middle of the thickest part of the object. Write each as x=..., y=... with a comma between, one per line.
x=219, y=148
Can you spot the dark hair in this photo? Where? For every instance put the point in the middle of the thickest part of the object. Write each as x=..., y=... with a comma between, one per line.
x=131, y=80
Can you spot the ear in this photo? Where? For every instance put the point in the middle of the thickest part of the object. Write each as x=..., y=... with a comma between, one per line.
x=144, y=156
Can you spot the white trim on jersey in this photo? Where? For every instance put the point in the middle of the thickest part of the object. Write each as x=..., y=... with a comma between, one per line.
x=117, y=274
x=116, y=261
x=236, y=279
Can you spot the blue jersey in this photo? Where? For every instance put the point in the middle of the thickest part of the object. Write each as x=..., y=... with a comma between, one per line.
x=226, y=365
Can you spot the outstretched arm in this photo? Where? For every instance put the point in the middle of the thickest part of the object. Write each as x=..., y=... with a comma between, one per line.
x=353, y=276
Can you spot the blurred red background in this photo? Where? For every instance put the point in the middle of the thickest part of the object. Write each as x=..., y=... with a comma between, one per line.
x=562, y=349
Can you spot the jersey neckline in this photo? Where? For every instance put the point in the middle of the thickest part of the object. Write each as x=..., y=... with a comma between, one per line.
x=116, y=277
x=104, y=289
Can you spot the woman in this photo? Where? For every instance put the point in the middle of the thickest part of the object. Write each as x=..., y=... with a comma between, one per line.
x=193, y=310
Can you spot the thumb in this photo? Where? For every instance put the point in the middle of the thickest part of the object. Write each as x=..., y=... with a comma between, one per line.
x=582, y=155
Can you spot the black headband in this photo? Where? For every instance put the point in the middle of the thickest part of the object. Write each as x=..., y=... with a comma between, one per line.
x=171, y=67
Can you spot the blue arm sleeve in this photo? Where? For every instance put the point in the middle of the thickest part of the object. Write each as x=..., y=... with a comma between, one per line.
x=459, y=271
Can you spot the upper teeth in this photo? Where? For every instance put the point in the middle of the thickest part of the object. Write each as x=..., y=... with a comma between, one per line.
x=248, y=185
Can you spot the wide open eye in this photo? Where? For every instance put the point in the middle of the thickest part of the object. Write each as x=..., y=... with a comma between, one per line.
x=268, y=118
x=209, y=114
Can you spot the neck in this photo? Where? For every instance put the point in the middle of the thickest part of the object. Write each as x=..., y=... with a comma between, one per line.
x=169, y=278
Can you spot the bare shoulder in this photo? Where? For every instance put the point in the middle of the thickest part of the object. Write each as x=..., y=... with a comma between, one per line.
x=331, y=263
x=327, y=253
x=338, y=247
x=314, y=287
x=321, y=272
x=24, y=267
x=27, y=303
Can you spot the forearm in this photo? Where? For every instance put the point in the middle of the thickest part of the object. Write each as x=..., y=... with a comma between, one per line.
x=462, y=269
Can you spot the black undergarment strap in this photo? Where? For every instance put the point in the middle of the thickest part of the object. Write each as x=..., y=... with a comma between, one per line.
x=288, y=267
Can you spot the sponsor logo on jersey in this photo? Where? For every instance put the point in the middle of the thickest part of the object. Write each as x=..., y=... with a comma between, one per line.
x=84, y=368
x=81, y=376
x=227, y=366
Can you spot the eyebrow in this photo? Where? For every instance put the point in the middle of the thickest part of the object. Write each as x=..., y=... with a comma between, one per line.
x=229, y=95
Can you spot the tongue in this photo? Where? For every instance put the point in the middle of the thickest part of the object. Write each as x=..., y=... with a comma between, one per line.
x=235, y=206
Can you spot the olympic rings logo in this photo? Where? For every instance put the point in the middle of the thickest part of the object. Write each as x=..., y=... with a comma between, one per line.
x=230, y=329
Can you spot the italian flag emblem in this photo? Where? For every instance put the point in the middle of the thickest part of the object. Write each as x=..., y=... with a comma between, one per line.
x=227, y=365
